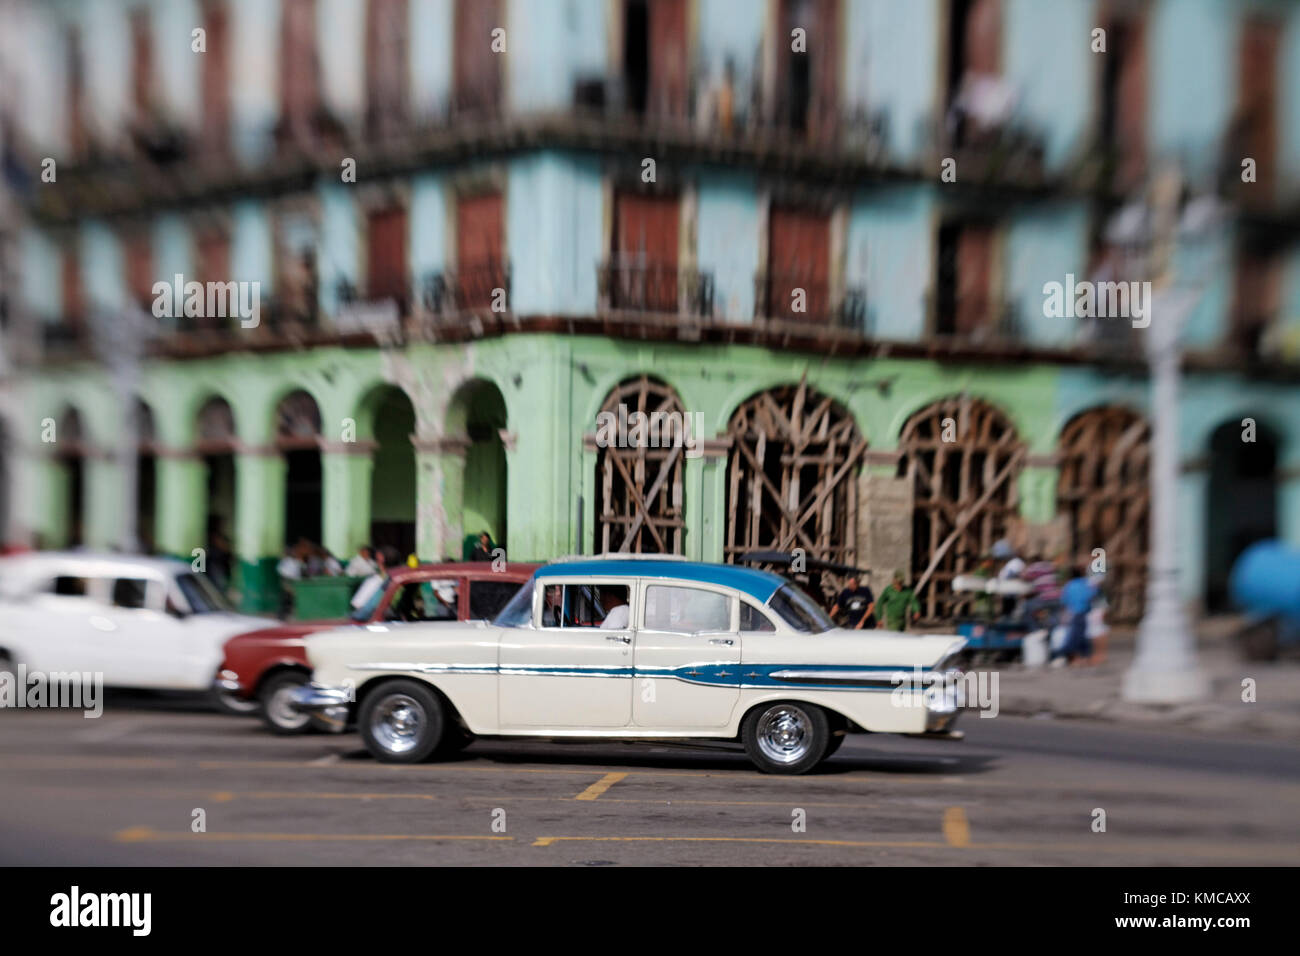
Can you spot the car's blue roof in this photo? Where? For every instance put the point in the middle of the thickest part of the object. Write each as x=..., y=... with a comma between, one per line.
x=759, y=585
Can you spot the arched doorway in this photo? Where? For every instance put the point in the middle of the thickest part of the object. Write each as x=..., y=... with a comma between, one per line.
x=792, y=475
x=1104, y=490
x=1241, y=503
x=963, y=458
x=216, y=444
x=297, y=437
x=392, y=481
x=146, y=477
x=478, y=414
x=70, y=451
x=639, y=487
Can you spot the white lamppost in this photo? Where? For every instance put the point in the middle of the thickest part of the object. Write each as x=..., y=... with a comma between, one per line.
x=1165, y=669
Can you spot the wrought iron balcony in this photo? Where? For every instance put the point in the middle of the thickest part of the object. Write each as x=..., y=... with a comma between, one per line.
x=977, y=319
x=779, y=295
x=471, y=288
x=635, y=285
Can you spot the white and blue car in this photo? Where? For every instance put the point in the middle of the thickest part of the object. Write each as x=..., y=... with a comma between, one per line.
x=636, y=647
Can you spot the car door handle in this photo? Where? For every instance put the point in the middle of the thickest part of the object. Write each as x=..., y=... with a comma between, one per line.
x=621, y=638
x=721, y=640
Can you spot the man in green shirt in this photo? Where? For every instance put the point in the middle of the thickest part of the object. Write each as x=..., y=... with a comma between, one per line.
x=896, y=604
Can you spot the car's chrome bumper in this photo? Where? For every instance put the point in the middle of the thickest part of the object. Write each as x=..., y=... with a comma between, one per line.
x=942, y=706
x=330, y=705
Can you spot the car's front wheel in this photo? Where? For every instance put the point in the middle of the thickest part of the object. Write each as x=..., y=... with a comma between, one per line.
x=401, y=721
x=786, y=737
x=275, y=701
x=228, y=702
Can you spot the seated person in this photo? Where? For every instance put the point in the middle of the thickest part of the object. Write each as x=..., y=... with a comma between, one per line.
x=617, y=613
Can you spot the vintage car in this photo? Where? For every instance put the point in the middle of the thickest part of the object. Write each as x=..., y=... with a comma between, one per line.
x=142, y=622
x=265, y=666
x=630, y=647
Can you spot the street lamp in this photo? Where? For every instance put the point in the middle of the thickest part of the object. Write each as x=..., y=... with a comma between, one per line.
x=1165, y=669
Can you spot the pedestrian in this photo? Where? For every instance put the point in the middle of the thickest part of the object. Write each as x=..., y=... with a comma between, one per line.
x=857, y=603
x=362, y=564
x=291, y=568
x=1076, y=601
x=897, y=604
x=368, y=594
x=482, y=547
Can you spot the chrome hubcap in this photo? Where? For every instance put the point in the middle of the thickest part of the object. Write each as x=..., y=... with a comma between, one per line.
x=784, y=733
x=281, y=713
x=398, y=723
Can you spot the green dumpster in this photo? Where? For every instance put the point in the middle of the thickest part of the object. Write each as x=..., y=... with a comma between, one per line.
x=323, y=598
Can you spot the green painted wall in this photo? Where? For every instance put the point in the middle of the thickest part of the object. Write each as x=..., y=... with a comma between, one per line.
x=544, y=392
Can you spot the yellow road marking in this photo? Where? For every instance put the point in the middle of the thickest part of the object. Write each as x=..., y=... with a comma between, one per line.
x=150, y=835
x=600, y=786
x=956, y=828
x=921, y=844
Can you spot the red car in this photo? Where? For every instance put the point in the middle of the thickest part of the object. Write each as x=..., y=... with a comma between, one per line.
x=266, y=665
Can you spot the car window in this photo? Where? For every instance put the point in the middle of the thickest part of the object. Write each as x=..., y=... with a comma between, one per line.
x=752, y=619
x=130, y=592
x=519, y=611
x=201, y=594
x=799, y=610
x=586, y=605
x=686, y=610
x=487, y=598
x=436, y=600
x=70, y=586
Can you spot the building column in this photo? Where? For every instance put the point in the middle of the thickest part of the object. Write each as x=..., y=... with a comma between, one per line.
x=1037, y=489
x=102, y=477
x=706, y=501
x=884, y=533
x=587, y=543
x=346, y=472
x=440, y=496
x=259, y=527
x=179, y=513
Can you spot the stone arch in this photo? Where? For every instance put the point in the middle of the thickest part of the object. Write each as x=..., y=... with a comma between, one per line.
x=297, y=437
x=146, y=474
x=962, y=457
x=474, y=426
x=386, y=421
x=216, y=441
x=639, y=482
x=1103, y=490
x=792, y=475
x=1242, y=500
x=70, y=451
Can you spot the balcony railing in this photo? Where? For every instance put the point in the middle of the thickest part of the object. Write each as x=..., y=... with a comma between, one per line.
x=471, y=288
x=778, y=296
x=638, y=286
x=971, y=318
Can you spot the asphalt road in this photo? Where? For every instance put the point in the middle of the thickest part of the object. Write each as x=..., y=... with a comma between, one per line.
x=123, y=789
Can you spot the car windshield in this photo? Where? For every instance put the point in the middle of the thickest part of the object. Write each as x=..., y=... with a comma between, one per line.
x=799, y=610
x=519, y=611
x=202, y=595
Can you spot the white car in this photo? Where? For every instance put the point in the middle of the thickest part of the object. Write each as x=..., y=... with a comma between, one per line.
x=140, y=622
x=634, y=648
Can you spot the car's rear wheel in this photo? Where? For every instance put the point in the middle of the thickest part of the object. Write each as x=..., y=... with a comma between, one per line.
x=401, y=721
x=275, y=702
x=786, y=737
